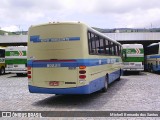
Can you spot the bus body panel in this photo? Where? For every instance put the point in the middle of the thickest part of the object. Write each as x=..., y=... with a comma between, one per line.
x=92, y=86
x=56, y=72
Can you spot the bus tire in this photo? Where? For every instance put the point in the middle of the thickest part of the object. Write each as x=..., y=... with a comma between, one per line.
x=2, y=71
x=105, y=84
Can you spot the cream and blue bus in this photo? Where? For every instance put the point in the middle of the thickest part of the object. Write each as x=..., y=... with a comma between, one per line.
x=71, y=58
x=153, y=57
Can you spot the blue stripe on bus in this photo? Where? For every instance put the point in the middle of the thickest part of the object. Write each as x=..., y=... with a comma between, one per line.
x=74, y=38
x=93, y=86
x=36, y=39
x=77, y=63
x=153, y=56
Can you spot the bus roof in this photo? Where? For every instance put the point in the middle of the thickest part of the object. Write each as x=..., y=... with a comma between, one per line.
x=153, y=44
x=75, y=23
x=2, y=47
x=132, y=46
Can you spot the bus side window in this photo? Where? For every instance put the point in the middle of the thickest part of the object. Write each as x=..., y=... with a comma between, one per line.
x=112, y=45
x=101, y=48
x=92, y=43
x=107, y=47
x=117, y=50
x=97, y=44
x=89, y=43
x=2, y=53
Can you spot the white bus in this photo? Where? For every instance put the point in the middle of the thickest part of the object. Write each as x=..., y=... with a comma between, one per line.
x=133, y=57
x=16, y=60
x=71, y=58
x=153, y=57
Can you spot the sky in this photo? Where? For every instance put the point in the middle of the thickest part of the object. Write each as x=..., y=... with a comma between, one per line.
x=18, y=15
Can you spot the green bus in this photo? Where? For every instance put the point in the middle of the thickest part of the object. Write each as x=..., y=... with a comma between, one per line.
x=133, y=57
x=16, y=60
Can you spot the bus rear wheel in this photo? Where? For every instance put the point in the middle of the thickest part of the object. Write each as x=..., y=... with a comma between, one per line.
x=105, y=84
x=2, y=70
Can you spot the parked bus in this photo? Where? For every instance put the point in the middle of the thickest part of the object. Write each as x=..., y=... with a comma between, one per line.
x=71, y=58
x=153, y=57
x=16, y=60
x=133, y=57
x=2, y=60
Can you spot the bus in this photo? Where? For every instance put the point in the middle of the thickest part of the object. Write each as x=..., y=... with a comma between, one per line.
x=16, y=60
x=2, y=60
x=71, y=58
x=153, y=57
x=133, y=57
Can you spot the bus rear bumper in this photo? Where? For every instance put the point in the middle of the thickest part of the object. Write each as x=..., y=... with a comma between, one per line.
x=132, y=69
x=76, y=90
x=93, y=86
x=16, y=71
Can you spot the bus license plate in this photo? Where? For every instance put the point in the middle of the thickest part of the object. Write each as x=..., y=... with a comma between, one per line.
x=10, y=66
x=54, y=83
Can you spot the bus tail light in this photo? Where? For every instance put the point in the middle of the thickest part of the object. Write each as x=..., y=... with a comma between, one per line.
x=82, y=72
x=29, y=77
x=82, y=67
x=82, y=76
x=28, y=68
x=29, y=72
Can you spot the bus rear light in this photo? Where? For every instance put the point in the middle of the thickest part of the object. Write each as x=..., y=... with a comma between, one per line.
x=82, y=67
x=29, y=72
x=28, y=68
x=82, y=76
x=82, y=72
x=29, y=77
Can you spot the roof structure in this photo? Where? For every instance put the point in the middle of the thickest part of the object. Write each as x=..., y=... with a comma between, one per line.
x=14, y=40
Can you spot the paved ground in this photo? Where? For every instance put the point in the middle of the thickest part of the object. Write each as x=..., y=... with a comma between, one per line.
x=132, y=93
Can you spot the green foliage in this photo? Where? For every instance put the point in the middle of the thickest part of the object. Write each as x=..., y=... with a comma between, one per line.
x=2, y=32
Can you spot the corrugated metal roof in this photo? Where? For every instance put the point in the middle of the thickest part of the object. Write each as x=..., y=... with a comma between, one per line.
x=13, y=38
x=134, y=36
x=115, y=36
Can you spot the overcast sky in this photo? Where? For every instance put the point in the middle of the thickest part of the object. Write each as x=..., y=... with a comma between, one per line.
x=20, y=14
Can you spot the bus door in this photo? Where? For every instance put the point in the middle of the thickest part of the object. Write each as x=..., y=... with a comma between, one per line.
x=124, y=55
